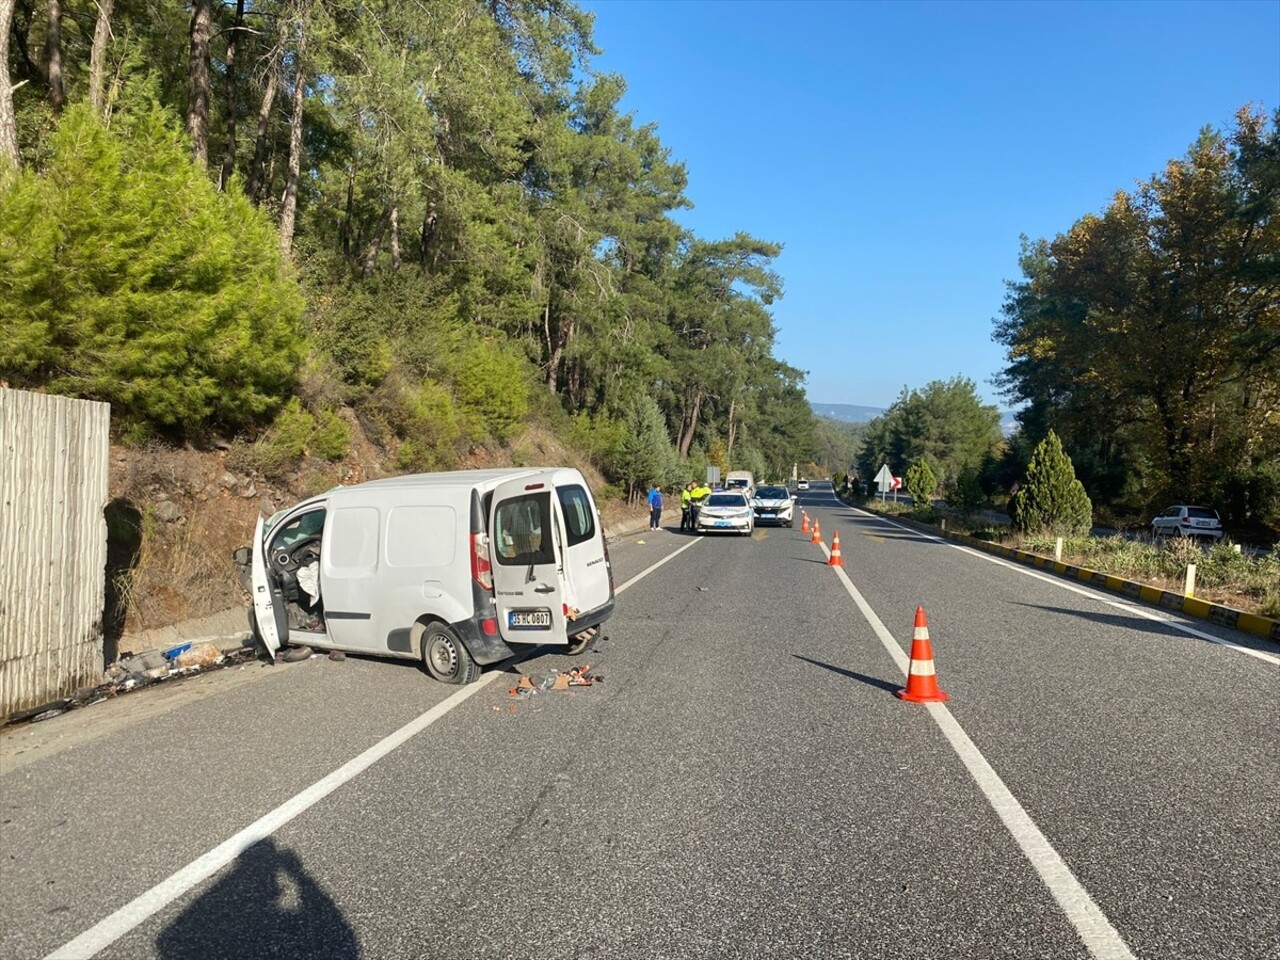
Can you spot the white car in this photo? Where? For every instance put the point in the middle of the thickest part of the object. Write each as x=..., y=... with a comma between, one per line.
x=773, y=505
x=802, y=484
x=727, y=512
x=1187, y=521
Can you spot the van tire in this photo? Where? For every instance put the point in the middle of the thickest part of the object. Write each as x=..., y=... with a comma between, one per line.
x=445, y=658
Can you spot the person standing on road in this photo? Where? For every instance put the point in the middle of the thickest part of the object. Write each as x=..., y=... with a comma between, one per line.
x=655, y=507
x=686, y=499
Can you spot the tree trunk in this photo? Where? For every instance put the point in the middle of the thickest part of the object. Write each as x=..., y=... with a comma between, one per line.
x=53, y=57
x=733, y=431
x=98, y=57
x=344, y=228
x=233, y=40
x=691, y=426
x=395, y=238
x=289, y=204
x=375, y=246
x=554, y=350
x=257, y=174
x=198, y=80
x=8, y=124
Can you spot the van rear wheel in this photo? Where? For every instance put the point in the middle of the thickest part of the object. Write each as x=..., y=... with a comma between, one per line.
x=446, y=658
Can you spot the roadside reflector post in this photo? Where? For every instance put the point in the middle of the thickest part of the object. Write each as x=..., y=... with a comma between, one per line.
x=944, y=524
x=1189, y=588
x=1057, y=551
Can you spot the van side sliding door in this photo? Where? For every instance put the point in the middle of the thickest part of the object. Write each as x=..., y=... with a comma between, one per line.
x=527, y=586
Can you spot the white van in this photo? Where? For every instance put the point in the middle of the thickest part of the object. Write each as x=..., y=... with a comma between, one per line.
x=740, y=480
x=447, y=568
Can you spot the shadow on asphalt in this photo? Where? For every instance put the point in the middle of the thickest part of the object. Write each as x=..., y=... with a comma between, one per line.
x=267, y=906
x=1145, y=625
x=810, y=560
x=852, y=675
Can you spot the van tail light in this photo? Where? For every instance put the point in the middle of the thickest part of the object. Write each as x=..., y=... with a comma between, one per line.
x=481, y=569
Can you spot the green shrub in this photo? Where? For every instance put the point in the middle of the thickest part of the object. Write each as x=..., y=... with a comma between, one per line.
x=921, y=482
x=966, y=496
x=1051, y=499
x=492, y=390
x=331, y=438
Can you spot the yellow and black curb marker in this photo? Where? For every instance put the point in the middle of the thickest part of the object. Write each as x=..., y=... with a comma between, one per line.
x=1213, y=612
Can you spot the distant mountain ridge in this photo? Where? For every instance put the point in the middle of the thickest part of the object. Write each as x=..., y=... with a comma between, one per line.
x=847, y=412
x=856, y=413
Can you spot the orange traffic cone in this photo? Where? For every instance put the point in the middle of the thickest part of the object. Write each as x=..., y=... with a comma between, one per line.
x=804, y=527
x=817, y=533
x=836, y=560
x=922, y=682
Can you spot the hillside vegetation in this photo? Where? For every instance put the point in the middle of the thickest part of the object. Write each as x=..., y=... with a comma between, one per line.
x=301, y=242
x=237, y=220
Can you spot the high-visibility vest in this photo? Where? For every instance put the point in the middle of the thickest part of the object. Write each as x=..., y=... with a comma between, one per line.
x=685, y=496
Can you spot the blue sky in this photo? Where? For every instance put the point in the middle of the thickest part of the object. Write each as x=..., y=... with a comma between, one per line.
x=898, y=150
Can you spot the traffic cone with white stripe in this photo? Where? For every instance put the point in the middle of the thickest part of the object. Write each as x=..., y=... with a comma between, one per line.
x=922, y=682
x=804, y=527
x=835, y=560
x=817, y=533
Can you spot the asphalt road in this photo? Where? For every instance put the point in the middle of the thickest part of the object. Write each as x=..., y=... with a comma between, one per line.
x=743, y=784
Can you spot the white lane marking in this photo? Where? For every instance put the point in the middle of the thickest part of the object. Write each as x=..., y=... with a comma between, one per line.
x=1101, y=939
x=110, y=929
x=648, y=570
x=1086, y=592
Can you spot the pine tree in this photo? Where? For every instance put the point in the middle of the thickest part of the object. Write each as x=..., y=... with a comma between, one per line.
x=1051, y=499
x=126, y=277
x=921, y=483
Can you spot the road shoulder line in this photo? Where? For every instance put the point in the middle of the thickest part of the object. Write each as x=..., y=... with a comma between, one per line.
x=1129, y=588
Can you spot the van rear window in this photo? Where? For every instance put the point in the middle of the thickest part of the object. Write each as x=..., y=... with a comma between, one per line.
x=522, y=530
x=579, y=518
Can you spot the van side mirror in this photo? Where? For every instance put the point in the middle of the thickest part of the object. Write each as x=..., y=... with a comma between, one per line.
x=242, y=556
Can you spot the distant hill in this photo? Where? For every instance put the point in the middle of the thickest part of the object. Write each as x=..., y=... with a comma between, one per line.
x=854, y=413
x=847, y=412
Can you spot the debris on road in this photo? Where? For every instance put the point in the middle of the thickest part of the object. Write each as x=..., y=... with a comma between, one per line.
x=137, y=672
x=527, y=687
x=337, y=655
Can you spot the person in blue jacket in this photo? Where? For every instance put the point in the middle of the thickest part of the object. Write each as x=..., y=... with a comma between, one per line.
x=655, y=506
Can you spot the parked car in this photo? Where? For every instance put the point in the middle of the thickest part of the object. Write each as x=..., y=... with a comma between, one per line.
x=802, y=484
x=1187, y=521
x=451, y=569
x=726, y=511
x=773, y=504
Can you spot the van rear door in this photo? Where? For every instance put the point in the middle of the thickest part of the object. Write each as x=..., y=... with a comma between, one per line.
x=586, y=561
x=264, y=598
x=527, y=588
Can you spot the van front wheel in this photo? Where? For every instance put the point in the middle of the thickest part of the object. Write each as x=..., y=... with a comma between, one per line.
x=446, y=658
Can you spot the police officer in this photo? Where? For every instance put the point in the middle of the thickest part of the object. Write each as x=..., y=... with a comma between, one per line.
x=686, y=506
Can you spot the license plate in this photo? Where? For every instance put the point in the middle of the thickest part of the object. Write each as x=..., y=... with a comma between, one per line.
x=723, y=523
x=767, y=516
x=529, y=619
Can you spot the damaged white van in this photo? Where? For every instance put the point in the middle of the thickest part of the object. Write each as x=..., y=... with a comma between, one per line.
x=451, y=569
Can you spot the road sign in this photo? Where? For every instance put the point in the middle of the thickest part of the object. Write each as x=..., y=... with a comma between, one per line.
x=897, y=483
x=884, y=479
